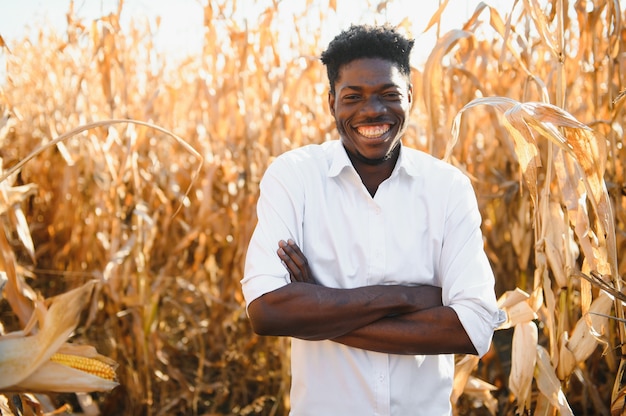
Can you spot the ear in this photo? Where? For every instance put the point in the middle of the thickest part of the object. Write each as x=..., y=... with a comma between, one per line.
x=410, y=94
x=331, y=103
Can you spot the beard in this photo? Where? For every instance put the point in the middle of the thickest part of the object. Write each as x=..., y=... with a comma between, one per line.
x=358, y=157
x=373, y=162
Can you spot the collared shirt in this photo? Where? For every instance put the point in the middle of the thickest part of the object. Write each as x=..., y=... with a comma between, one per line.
x=421, y=227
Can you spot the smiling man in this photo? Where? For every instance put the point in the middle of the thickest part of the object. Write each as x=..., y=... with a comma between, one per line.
x=367, y=253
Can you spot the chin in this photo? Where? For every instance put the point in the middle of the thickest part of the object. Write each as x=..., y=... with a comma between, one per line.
x=374, y=160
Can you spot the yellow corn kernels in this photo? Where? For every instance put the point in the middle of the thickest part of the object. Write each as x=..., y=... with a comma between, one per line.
x=86, y=364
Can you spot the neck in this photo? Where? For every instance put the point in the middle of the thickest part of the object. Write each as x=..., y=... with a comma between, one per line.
x=374, y=171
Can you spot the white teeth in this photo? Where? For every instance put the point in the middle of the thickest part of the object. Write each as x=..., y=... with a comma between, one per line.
x=373, y=131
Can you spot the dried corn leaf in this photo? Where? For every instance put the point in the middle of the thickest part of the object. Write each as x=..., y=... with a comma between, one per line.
x=618, y=395
x=613, y=25
x=462, y=372
x=517, y=314
x=521, y=233
x=567, y=360
x=11, y=200
x=517, y=305
x=560, y=249
x=548, y=383
x=512, y=297
x=473, y=19
x=433, y=79
x=591, y=239
x=547, y=34
x=523, y=358
x=578, y=140
x=592, y=329
x=512, y=117
x=19, y=295
x=481, y=393
x=436, y=17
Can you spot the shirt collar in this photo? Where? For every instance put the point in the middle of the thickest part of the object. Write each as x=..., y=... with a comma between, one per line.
x=340, y=161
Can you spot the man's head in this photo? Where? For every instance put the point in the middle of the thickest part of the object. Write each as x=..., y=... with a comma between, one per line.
x=370, y=93
x=366, y=41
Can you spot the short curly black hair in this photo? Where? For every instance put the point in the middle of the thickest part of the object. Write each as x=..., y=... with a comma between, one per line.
x=367, y=41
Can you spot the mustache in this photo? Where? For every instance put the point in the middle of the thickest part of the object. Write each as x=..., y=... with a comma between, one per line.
x=378, y=120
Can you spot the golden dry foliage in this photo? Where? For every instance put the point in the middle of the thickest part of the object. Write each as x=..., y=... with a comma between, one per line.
x=546, y=150
x=122, y=167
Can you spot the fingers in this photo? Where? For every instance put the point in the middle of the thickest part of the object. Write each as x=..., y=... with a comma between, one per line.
x=291, y=259
x=294, y=261
x=291, y=250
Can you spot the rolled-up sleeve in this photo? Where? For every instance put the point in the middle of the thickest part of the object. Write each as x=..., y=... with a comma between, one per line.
x=278, y=219
x=466, y=275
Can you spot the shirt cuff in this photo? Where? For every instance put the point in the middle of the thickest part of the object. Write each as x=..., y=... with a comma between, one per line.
x=256, y=286
x=479, y=325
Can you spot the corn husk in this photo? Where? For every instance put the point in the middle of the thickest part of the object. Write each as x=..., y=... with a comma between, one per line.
x=25, y=358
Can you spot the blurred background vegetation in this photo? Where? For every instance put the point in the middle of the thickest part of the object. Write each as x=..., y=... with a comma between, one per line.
x=160, y=212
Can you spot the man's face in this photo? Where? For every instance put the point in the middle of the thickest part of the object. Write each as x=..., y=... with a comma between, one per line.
x=371, y=107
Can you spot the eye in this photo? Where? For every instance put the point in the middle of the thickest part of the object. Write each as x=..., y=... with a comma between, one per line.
x=392, y=95
x=350, y=99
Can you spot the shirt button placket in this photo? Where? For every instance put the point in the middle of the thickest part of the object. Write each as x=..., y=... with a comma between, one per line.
x=383, y=400
x=377, y=241
x=377, y=274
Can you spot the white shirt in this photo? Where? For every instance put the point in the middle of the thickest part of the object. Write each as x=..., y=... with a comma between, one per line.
x=421, y=227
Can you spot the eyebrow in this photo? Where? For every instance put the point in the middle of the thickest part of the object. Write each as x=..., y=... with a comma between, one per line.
x=359, y=88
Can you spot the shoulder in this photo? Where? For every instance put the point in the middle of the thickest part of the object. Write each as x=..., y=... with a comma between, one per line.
x=306, y=159
x=436, y=171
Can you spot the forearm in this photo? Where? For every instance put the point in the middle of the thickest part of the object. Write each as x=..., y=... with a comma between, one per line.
x=430, y=331
x=315, y=312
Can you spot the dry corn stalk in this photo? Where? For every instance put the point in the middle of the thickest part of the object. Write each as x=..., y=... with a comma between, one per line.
x=18, y=293
x=578, y=165
x=241, y=117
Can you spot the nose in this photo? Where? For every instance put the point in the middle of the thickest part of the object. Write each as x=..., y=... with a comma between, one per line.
x=374, y=105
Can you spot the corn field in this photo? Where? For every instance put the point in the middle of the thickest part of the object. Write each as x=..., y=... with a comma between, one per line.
x=128, y=188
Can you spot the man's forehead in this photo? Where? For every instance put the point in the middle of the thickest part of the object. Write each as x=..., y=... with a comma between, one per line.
x=371, y=71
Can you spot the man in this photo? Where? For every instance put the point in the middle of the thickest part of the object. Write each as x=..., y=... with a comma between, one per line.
x=367, y=253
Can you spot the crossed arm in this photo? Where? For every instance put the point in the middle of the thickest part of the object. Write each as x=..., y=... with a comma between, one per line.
x=393, y=319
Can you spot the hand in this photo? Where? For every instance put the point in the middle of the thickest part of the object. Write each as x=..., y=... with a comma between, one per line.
x=295, y=262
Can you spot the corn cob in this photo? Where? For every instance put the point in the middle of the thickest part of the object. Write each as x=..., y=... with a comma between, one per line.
x=86, y=364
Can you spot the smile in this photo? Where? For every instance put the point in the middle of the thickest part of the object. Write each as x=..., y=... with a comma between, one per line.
x=373, y=132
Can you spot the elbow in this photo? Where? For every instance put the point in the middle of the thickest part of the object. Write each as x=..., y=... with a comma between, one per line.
x=260, y=318
x=260, y=327
x=471, y=350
